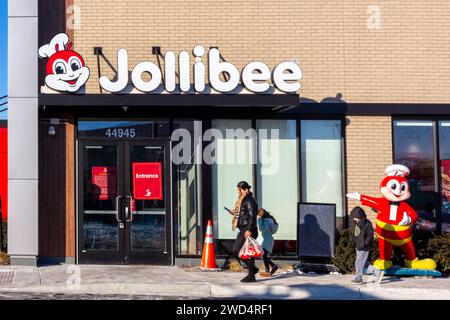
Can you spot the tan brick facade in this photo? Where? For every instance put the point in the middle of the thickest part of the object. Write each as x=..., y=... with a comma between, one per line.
x=406, y=60
x=369, y=152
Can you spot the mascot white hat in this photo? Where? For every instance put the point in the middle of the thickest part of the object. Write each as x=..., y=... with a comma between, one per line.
x=397, y=170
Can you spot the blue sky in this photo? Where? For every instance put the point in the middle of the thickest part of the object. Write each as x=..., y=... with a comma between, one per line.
x=3, y=53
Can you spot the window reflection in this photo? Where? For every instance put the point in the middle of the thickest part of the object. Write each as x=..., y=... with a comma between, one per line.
x=277, y=184
x=188, y=209
x=414, y=148
x=226, y=172
x=444, y=157
x=100, y=191
x=322, y=162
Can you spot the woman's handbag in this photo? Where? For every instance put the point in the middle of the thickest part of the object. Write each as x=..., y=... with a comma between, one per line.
x=250, y=249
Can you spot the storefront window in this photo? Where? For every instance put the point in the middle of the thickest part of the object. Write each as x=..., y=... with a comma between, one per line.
x=188, y=208
x=321, y=151
x=444, y=157
x=232, y=162
x=414, y=148
x=277, y=187
x=274, y=159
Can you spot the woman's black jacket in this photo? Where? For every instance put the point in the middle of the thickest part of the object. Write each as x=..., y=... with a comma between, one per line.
x=248, y=214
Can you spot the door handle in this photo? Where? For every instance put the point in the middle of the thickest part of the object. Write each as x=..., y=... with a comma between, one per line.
x=129, y=209
x=119, y=209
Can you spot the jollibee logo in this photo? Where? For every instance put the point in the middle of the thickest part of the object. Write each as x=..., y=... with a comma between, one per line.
x=66, y=69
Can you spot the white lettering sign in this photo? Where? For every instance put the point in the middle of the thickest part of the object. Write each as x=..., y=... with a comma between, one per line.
x=256, y=76
x=66, y=72
x=147, y=176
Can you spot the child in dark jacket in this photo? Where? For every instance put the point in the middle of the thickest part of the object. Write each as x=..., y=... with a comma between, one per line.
x=362, y=238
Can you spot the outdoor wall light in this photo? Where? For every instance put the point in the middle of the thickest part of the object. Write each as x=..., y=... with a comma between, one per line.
x=51, y=131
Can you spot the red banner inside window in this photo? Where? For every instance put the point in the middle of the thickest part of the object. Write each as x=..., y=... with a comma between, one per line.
x=104, y=182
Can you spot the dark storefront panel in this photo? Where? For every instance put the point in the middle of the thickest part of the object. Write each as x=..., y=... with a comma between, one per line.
x=422, y=145
x=414, y=147
x=444, y=177
x=188, y=195
x=57, y=189
x=99, y=228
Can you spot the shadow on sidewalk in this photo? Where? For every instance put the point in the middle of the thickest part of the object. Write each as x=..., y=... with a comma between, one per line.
x=388, y=279
x=309, y=291
x=278, y=276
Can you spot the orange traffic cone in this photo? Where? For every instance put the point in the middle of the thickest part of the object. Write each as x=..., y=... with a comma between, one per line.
x=208, y=256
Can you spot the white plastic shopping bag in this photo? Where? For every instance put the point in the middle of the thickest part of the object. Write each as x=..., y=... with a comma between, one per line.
x=250, y=249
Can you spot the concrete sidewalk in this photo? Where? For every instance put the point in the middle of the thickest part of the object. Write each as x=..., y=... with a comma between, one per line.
x=191, y=283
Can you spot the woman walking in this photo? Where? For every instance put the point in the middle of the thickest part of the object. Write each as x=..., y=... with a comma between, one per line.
x=268, y=226
x=246, y=211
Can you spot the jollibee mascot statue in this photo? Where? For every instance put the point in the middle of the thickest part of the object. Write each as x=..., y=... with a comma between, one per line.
x=395, y=219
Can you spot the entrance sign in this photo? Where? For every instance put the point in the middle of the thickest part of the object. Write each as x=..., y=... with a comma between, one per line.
x=104, y=182
x=147, y=181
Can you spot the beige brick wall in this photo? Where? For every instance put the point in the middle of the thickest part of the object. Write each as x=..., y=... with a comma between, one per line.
x=407, y=60
x=369, y=152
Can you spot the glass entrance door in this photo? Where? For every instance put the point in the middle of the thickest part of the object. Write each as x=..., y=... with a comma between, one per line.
x=147, y=186
x=124, y=202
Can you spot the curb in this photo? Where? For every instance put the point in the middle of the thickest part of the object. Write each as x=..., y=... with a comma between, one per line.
x=283, y=292
x=405, y=294
x=252, y=291
x=192, y=290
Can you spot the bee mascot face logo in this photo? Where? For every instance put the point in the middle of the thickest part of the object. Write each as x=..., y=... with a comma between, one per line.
x=66, y=70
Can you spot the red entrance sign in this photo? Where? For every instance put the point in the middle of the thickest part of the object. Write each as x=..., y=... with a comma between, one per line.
x=147, y=181
x=104, y=182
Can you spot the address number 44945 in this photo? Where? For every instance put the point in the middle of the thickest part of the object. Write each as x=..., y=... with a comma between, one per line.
x=121, y=133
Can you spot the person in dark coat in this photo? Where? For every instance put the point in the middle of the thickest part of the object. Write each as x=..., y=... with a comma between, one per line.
x=247, y=225
x=362, y=238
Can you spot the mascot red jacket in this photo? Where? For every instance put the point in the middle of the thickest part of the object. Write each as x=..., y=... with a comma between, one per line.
x=395, y=219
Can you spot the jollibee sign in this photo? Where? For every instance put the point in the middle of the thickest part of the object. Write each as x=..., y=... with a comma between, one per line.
x=66, y=71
